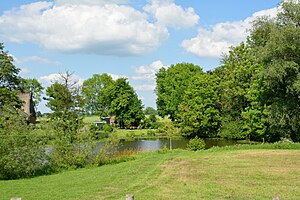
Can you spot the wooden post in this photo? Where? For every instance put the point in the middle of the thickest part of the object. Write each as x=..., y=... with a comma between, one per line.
x=129, y=197
x=16, y=198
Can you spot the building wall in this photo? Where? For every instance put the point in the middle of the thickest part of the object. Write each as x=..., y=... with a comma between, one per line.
x=28, y=107
x=25, y=98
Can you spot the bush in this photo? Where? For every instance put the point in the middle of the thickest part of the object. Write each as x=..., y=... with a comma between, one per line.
x=150, y=133
x=232, y=130
x=22, y=152
x=196, y=144
x=107, y=128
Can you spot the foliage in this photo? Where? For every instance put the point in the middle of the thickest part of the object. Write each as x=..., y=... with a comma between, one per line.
x=170, y=86
x=232, y=130
x=9, y=80
x=70, y=148
x=150, y=111
x=150, y=121
x=196, y=144
x=199, y=113
x=96, y=93
x=276, y=42
x=125, y=104
x=170, y=130
x=66, y=104
x=238, y=73
x=22, y=152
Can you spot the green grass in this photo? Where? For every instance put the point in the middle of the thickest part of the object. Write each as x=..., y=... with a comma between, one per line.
x=127, y=134
x=220, y=173
x=90, y=119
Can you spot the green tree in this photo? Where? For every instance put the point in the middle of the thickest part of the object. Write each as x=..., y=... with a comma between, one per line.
x=150, y=111
x=9, y=80
x=170, y=86
x=199, y=110
x=276, y=42
x=125, y=104
x=239, y=89
x=96, y=93
x=66, y=103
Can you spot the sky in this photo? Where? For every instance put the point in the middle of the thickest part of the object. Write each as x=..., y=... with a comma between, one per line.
x=123, y=38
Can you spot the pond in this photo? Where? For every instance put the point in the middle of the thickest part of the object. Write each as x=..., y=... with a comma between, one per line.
x=156, y=144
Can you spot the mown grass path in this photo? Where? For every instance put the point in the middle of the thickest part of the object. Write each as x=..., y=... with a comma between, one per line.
x=221, y=174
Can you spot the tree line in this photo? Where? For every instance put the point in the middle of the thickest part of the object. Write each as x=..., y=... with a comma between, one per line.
x=253, y=94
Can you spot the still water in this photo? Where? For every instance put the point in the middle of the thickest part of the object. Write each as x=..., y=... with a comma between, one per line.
x=156, y=144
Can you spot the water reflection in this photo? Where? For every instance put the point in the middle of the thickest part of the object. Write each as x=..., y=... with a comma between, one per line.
x=156, y=144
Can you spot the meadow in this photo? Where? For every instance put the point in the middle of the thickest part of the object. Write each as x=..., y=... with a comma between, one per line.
x=242, y=172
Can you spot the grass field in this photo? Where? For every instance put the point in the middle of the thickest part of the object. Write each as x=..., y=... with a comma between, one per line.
x=231, y=173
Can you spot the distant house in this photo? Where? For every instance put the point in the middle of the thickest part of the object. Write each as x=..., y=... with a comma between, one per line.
x=105, y=120
x=27, y=106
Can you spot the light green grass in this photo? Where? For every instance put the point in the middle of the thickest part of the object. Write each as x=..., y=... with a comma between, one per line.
x=127, y=134
x=216, y=174
x=90, y=119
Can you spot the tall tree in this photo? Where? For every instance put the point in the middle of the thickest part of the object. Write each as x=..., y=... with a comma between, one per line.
x=199, y=110
x=278, y=48
x=66, y=103
x=170, y=86
x=125, y=104
x=96, y=94
x=9, y=80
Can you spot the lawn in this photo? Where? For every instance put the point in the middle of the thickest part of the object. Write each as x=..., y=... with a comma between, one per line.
x=89, y=119
x=212, y=174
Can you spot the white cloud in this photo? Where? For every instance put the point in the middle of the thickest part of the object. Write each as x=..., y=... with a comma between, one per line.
x=91, y=2
x=115, y=76
x=109, y=29
x=24, y=71
x=37, y=59
x=167, y=13
x=216, y=40
x=147, y=73
x=144, y=87
x=52, y=78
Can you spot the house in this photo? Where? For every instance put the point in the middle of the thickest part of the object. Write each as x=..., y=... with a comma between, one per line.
x=27, y=106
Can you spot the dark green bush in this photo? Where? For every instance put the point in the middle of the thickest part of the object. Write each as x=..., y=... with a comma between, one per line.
x=196, y=144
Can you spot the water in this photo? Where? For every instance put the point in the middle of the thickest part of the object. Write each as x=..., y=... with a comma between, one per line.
x=156, y=144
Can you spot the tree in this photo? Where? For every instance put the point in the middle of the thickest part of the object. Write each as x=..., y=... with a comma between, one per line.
x=150, y=111
x=239, y=87
x=70, y=146
x=9, y=80
x=240, y=69
x=170, y=86
x=96, y=94
x=276, y=42
x=66, y=104
x=199, y=114
x=125, y=104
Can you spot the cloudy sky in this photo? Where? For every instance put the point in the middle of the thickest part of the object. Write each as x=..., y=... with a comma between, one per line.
x=124, y=38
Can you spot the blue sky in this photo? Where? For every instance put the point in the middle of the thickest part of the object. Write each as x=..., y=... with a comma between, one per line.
x=124, y=38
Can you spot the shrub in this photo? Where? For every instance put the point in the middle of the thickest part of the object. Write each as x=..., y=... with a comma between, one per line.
x=150, y=133
x=107, y=128
x=22, y=152
x=196, y=144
